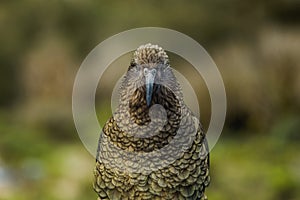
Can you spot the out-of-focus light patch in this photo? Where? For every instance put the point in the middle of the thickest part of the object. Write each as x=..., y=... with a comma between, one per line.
x=6, y=183
x=33, y=169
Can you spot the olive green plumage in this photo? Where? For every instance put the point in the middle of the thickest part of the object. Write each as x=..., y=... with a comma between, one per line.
x=153, y=147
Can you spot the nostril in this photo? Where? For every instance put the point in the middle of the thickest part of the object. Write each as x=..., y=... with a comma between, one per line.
x=146, y=71
x=153, y=72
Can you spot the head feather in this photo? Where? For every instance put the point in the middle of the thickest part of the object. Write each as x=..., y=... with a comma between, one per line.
x=150, y=54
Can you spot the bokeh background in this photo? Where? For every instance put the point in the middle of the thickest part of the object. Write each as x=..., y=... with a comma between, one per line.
x=255, y=44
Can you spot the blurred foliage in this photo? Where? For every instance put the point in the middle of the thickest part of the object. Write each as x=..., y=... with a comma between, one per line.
x=254, y=43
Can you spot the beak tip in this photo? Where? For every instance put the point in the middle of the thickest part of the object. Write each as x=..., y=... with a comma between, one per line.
x=148, y=100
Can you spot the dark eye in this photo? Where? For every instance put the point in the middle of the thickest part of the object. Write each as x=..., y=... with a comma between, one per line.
x=132, y=66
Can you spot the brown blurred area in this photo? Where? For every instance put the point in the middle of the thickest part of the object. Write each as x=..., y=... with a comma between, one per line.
x=255, y=44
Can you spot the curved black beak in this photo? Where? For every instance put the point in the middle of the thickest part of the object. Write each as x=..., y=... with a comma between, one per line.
x=149, y=79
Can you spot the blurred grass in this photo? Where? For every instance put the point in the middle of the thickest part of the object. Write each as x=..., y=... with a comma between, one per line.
x=38, y=167
x=255, y=44
x=254, y=168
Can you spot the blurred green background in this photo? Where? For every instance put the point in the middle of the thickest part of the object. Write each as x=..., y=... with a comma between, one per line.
x=255, y=44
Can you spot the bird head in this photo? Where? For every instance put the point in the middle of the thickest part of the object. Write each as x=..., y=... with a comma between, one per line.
x=150, y=67
x=151, y=100
x=149, y=81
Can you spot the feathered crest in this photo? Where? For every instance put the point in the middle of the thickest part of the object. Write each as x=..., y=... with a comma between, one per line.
x=149, y=53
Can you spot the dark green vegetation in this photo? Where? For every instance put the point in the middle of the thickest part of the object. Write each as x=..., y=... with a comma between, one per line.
x=254, y=43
